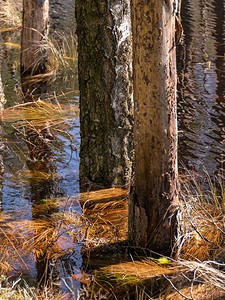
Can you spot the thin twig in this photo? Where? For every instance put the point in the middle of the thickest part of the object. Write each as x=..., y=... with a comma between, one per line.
x=176, y=288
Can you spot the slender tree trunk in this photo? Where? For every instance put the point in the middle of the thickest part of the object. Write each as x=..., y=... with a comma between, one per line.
x=151, y=209
x=34, y=29
x=106, y=106
x=2, y=146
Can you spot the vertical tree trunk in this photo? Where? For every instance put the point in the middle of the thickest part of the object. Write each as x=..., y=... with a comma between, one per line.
x=106, y=107
x=2, y=146
x=155, y=131
x=34, y=29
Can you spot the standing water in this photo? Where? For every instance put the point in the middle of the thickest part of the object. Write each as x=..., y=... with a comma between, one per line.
x=44, y=193
x=201, y=102
x=41, y=191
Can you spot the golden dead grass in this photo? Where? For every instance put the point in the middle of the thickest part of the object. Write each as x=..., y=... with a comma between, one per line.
x=202, y=218
x=62, y=56
x=203, y=236
x=138, y=271
x=43, y=119
x=9, y=29
x=104, y=195
x=10, y=13
x=104, y=220
x=20, y=290
x=196, y=292
x=204, y=282
x=105, y=215
x=61, y=52
x=52, y=234
x=40, y=114
x=24, y=241
x=106, y=223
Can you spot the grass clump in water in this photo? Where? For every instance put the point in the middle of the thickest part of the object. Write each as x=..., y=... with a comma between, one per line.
x=10, y=14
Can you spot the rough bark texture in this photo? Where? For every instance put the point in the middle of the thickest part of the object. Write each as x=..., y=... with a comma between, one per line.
x=34, y=29
x=106, y=106
x=155, y=131
x=2, y=146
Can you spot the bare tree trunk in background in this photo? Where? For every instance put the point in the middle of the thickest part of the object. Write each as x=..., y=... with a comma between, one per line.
x=105, y=80
x=155, y=193
x=2, y=146
x=34, y=28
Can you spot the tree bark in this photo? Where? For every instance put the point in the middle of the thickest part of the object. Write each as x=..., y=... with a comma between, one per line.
x=155, y=192
x=106, y=105
x=34, y=30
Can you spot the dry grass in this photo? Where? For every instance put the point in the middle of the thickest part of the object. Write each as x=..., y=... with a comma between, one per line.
x=135, y=272
x=103, y=196
x=51, y=233
x=60, y=56
x=202, y=218
x=200, y=291
x=62, y=52
x=24, y=241
x=44, y=119
x=10, y=13
x=196, y=273
x=106, y=223
x=20, y=290
x=40, y=115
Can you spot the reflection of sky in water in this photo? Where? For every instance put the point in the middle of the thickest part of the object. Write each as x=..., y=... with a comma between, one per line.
x=201, y=116
x=17, y=193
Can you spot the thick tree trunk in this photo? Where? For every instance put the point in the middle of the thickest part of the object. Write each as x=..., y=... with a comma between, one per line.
x=34, y=30
x=106, y=107
x=151, y=209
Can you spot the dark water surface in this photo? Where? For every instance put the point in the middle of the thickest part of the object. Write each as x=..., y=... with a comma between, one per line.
x=201, y=114
x=201, y=101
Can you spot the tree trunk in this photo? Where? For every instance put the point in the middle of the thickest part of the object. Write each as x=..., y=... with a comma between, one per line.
x=34, y=30
x=154, y=196
x=106, y=106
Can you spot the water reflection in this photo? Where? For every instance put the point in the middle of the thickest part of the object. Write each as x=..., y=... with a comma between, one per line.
x=201, y=113
x=40, y=160
x=43, y=167
x=62, y=15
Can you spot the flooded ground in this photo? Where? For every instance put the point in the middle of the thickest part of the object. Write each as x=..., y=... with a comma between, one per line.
x=201, y=103
x=25, y=188
x=26, y=191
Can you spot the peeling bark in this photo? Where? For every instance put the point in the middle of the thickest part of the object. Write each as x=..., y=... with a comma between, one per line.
x=106, y=106
x=151, y=209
